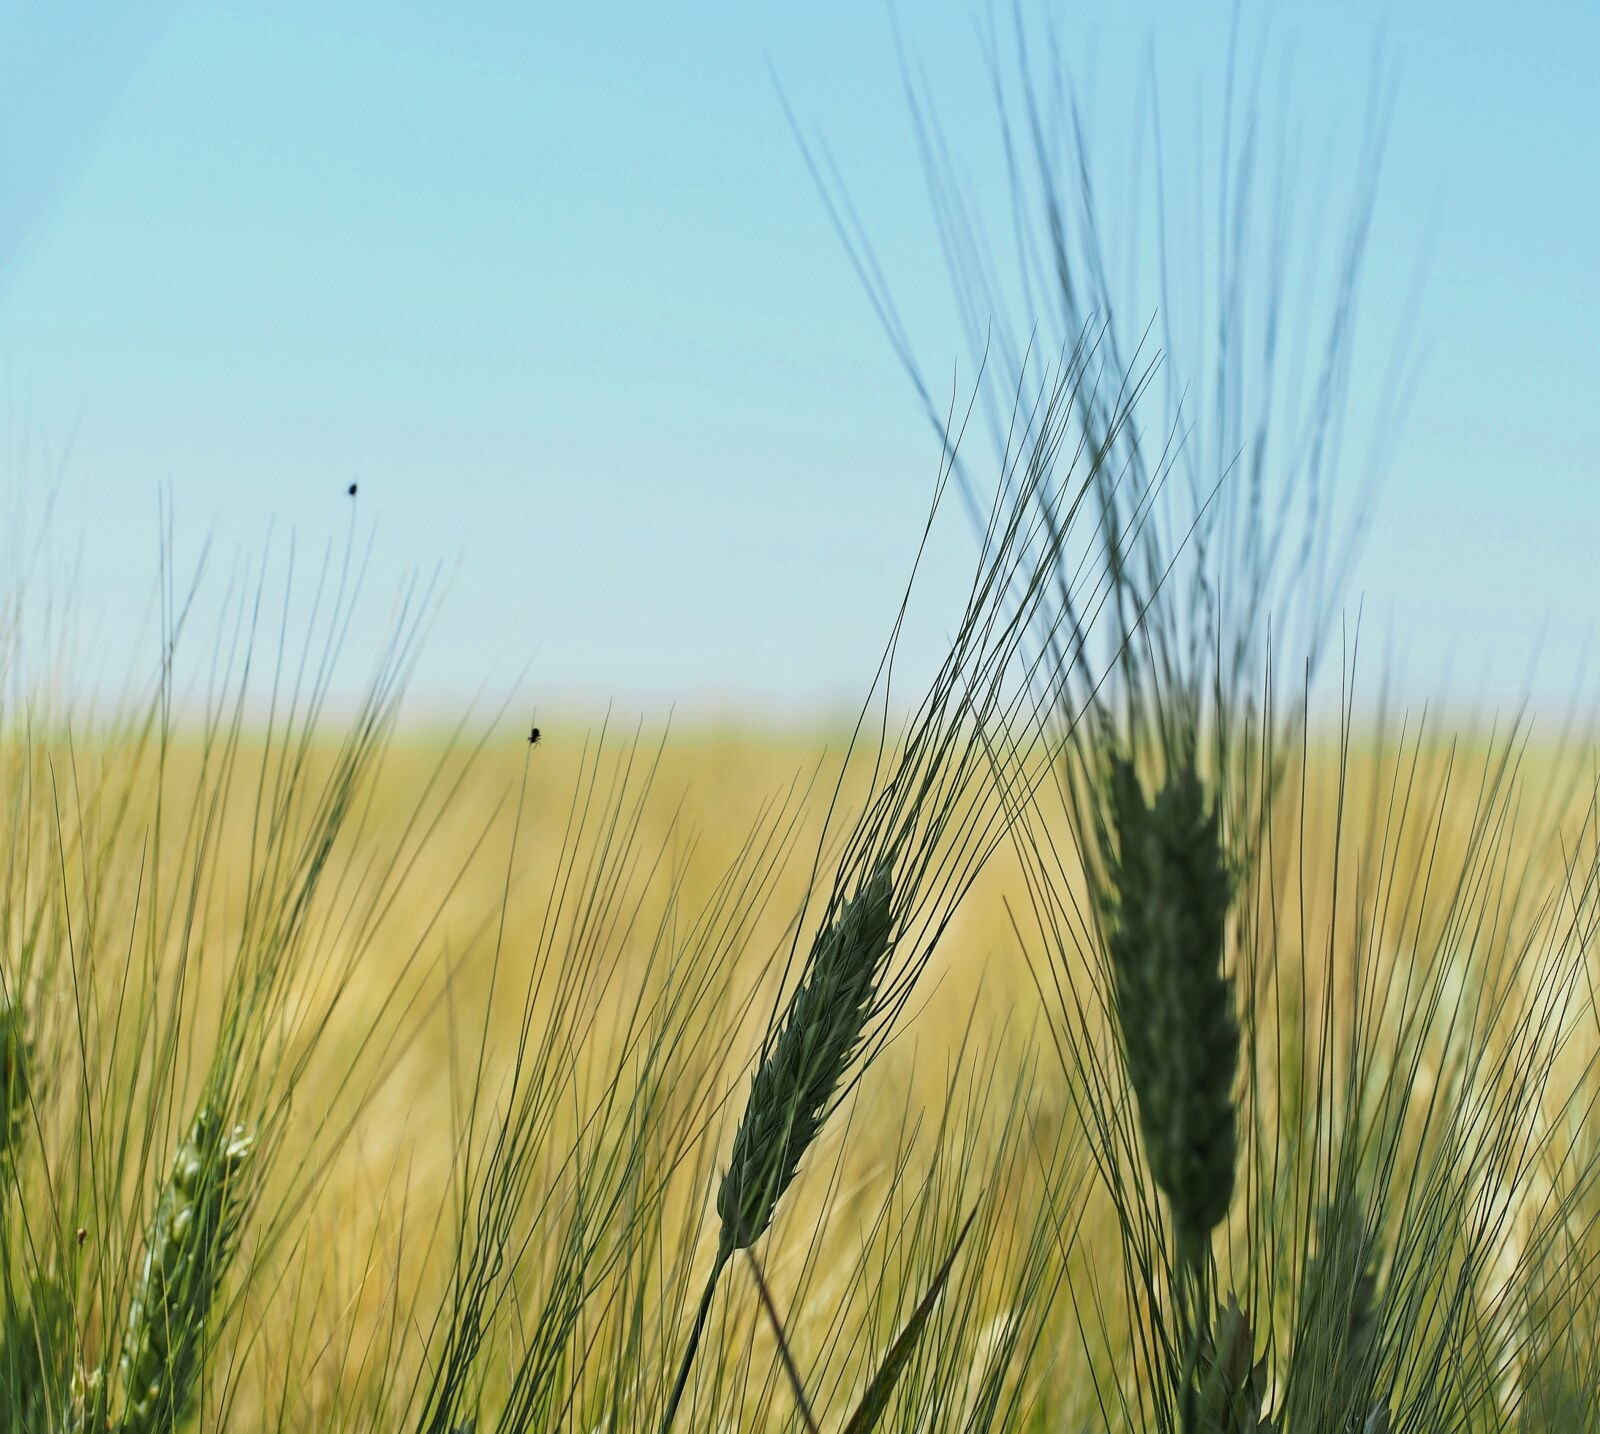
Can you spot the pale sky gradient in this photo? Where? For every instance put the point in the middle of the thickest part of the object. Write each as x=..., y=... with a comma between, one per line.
x=553, y=283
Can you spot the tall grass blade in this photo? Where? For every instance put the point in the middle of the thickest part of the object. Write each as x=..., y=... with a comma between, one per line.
x=875, y=1401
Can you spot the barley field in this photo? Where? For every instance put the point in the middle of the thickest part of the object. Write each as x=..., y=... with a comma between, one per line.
x=366, y=1077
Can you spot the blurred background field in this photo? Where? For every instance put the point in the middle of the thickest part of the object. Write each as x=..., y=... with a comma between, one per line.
x=625, y=839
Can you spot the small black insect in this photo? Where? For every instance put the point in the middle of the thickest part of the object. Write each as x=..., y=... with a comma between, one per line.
x=533, y=738
x=352, y=490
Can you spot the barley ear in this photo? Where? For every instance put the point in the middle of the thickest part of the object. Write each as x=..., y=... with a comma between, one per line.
x=795, y=1084
x=1340, y=1318
x=86, y=1412
x=1233, y=1385
x=806, y=1064
x=35, y=1351
x=190, y=1242
x=16, y=1057
x=35, y=1313
x=1166, y=903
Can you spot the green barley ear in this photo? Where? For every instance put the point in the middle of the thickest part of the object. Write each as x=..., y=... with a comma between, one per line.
x=16, y=1056
x=86, y=1410
x=1166, y=900
x=803, y=1069
x=1233, y=1386
x=196, y=1223
x=35, y=1353
x=1339, y=1320
x=800, y=1073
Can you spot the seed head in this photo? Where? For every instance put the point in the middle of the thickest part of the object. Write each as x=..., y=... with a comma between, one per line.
x=1233, y=1384
x=803, y=1068
x=1166, y=900
x=16, y=1055
x=196, y=1222
x=1340, y=1317
x=36, y=1341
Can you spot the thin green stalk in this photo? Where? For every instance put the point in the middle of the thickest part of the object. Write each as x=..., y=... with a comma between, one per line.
x=724, y=1251
x=790, y=1368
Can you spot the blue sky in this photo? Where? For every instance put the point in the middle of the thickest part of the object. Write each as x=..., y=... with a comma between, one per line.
x=553, y=284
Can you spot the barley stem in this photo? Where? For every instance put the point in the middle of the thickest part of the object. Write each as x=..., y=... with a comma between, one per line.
x=724, y=1251
x=796, y=1383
